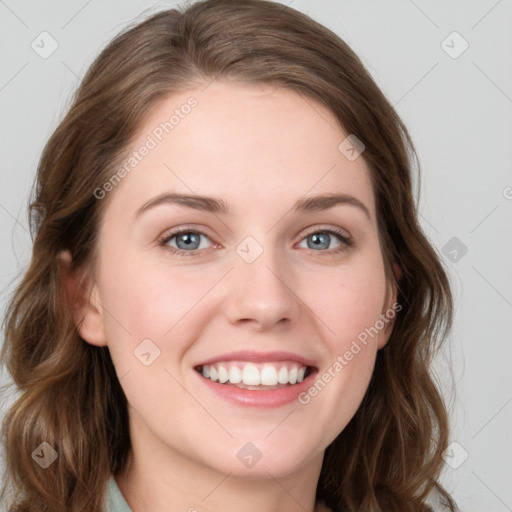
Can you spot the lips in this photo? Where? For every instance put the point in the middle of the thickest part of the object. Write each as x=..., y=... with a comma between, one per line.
x=258, y=357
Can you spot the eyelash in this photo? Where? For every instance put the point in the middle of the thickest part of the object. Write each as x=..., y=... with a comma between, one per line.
x=346, y=241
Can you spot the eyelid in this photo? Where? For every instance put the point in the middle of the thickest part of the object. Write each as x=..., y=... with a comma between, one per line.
x=184, y=228
x=319, y=227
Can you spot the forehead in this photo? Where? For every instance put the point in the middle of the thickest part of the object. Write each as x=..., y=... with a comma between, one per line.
x=251, y=145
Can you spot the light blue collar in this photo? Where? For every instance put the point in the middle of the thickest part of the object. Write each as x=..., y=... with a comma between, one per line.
x=115, y=501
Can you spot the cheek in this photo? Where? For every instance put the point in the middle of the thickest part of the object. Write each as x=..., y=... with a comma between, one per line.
x=347, y=301
x=149, y=301
x=349, y=304
x=149, y=294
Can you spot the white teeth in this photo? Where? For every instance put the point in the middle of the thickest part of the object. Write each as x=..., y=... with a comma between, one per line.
x=282, y=376
x=223, y=375
x=269, y=375
x=235, y=375
x=250, y=374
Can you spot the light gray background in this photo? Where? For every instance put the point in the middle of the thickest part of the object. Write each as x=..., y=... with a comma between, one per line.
x=458, y=111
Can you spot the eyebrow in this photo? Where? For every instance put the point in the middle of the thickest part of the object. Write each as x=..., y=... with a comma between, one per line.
x=217, y=205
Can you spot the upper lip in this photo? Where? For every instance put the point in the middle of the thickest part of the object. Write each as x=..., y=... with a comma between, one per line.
x=260, y=357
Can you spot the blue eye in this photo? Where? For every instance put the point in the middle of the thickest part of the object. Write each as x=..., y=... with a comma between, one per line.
x=188, y=241
x=322, y=239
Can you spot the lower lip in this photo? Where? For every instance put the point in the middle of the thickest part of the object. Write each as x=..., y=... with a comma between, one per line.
x=257, y=398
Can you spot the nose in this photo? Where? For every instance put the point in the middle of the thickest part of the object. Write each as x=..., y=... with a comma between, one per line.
x=262, y=292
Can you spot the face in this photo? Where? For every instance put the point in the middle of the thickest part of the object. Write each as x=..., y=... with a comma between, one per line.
x=267, y=289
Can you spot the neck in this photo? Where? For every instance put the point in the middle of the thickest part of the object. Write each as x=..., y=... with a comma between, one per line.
x=158, y=478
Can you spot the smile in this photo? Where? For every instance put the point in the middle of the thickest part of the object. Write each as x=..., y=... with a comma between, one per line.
x=256, y=379
x=250, y=375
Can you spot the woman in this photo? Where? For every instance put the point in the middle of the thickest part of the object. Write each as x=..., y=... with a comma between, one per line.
x=231, y=303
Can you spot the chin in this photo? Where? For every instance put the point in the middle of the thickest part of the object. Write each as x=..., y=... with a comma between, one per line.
x=262, y=459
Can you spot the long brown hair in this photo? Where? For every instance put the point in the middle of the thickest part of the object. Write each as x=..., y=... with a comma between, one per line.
x=389, y=457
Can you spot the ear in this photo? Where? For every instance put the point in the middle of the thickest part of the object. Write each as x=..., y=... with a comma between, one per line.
x=390, y=309
x=397, y=271
x=82, y=297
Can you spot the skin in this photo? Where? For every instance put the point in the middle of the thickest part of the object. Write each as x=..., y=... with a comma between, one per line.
x=259, y=149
